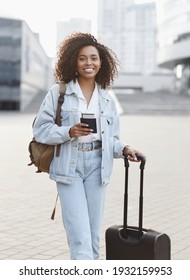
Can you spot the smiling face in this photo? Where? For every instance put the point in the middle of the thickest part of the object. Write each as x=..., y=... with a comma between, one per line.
x=88, y=62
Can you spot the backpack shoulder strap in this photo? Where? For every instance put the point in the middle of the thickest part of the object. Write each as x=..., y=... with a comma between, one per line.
x=62, y=90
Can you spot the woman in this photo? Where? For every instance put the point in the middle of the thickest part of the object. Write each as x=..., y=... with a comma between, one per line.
x=83, y=169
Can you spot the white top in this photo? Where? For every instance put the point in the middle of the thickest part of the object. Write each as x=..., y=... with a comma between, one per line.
x=92, y=108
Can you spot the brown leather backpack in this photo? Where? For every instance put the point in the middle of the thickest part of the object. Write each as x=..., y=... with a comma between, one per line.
x=40, y=154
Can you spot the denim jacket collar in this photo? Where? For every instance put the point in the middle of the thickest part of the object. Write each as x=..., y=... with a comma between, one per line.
x=105, y=98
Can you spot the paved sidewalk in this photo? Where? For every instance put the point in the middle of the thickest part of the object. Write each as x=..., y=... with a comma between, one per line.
x=27, y=198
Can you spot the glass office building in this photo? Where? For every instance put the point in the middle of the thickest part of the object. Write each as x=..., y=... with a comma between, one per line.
x=24, y=65
x=129, y=29
x=173, y=40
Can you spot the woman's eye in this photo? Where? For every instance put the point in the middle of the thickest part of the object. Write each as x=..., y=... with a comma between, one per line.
x=81, y=59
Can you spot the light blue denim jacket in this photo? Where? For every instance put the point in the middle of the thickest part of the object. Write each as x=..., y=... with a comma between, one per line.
x=62, y=168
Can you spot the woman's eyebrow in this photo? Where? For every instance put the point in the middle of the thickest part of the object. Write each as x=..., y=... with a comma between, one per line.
x=90, y=55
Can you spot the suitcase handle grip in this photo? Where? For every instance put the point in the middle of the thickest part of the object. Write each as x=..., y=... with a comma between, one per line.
x=143, y=161
x=139, y=157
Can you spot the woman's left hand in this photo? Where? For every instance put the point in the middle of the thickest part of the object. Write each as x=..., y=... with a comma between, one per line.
x=132, y=154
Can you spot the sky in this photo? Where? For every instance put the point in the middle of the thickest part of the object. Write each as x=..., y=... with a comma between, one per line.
x=42, y=15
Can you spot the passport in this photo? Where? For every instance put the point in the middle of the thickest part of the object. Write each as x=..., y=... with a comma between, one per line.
x=89, y=119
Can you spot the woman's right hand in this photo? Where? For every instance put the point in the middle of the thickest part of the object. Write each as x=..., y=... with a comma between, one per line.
x=80, y=129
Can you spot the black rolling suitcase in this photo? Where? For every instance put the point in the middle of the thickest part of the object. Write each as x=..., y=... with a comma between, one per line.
x=136, y=243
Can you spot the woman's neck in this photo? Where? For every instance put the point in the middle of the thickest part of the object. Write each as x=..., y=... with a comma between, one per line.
x=87, y=87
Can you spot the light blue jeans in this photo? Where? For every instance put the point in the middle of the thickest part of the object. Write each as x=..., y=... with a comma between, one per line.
x=82, y=204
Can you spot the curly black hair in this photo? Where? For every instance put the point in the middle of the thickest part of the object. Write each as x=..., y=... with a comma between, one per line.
x=66, y=65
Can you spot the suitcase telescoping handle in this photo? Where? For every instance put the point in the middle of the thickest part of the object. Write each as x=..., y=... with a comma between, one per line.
x=142, y=165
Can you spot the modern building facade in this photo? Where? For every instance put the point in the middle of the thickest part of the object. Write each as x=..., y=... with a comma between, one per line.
x=173, y=40
x=24, y=65
x=64, y=28
x=129, y=29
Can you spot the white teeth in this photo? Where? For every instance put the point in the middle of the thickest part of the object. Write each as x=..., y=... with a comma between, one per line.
x=88, y=70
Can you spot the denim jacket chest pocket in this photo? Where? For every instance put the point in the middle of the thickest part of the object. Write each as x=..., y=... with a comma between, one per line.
x=65, y=118
x=69, y=118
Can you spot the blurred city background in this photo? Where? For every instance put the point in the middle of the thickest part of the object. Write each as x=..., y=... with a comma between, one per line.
x=150, y=38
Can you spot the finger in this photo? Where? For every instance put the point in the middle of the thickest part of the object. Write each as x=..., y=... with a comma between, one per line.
x=85, y=128
x=139, y=154
x=84, y=125
x=79, y=131
x=132, y=156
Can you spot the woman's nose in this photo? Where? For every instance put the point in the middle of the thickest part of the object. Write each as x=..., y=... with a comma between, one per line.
x=88, y=61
